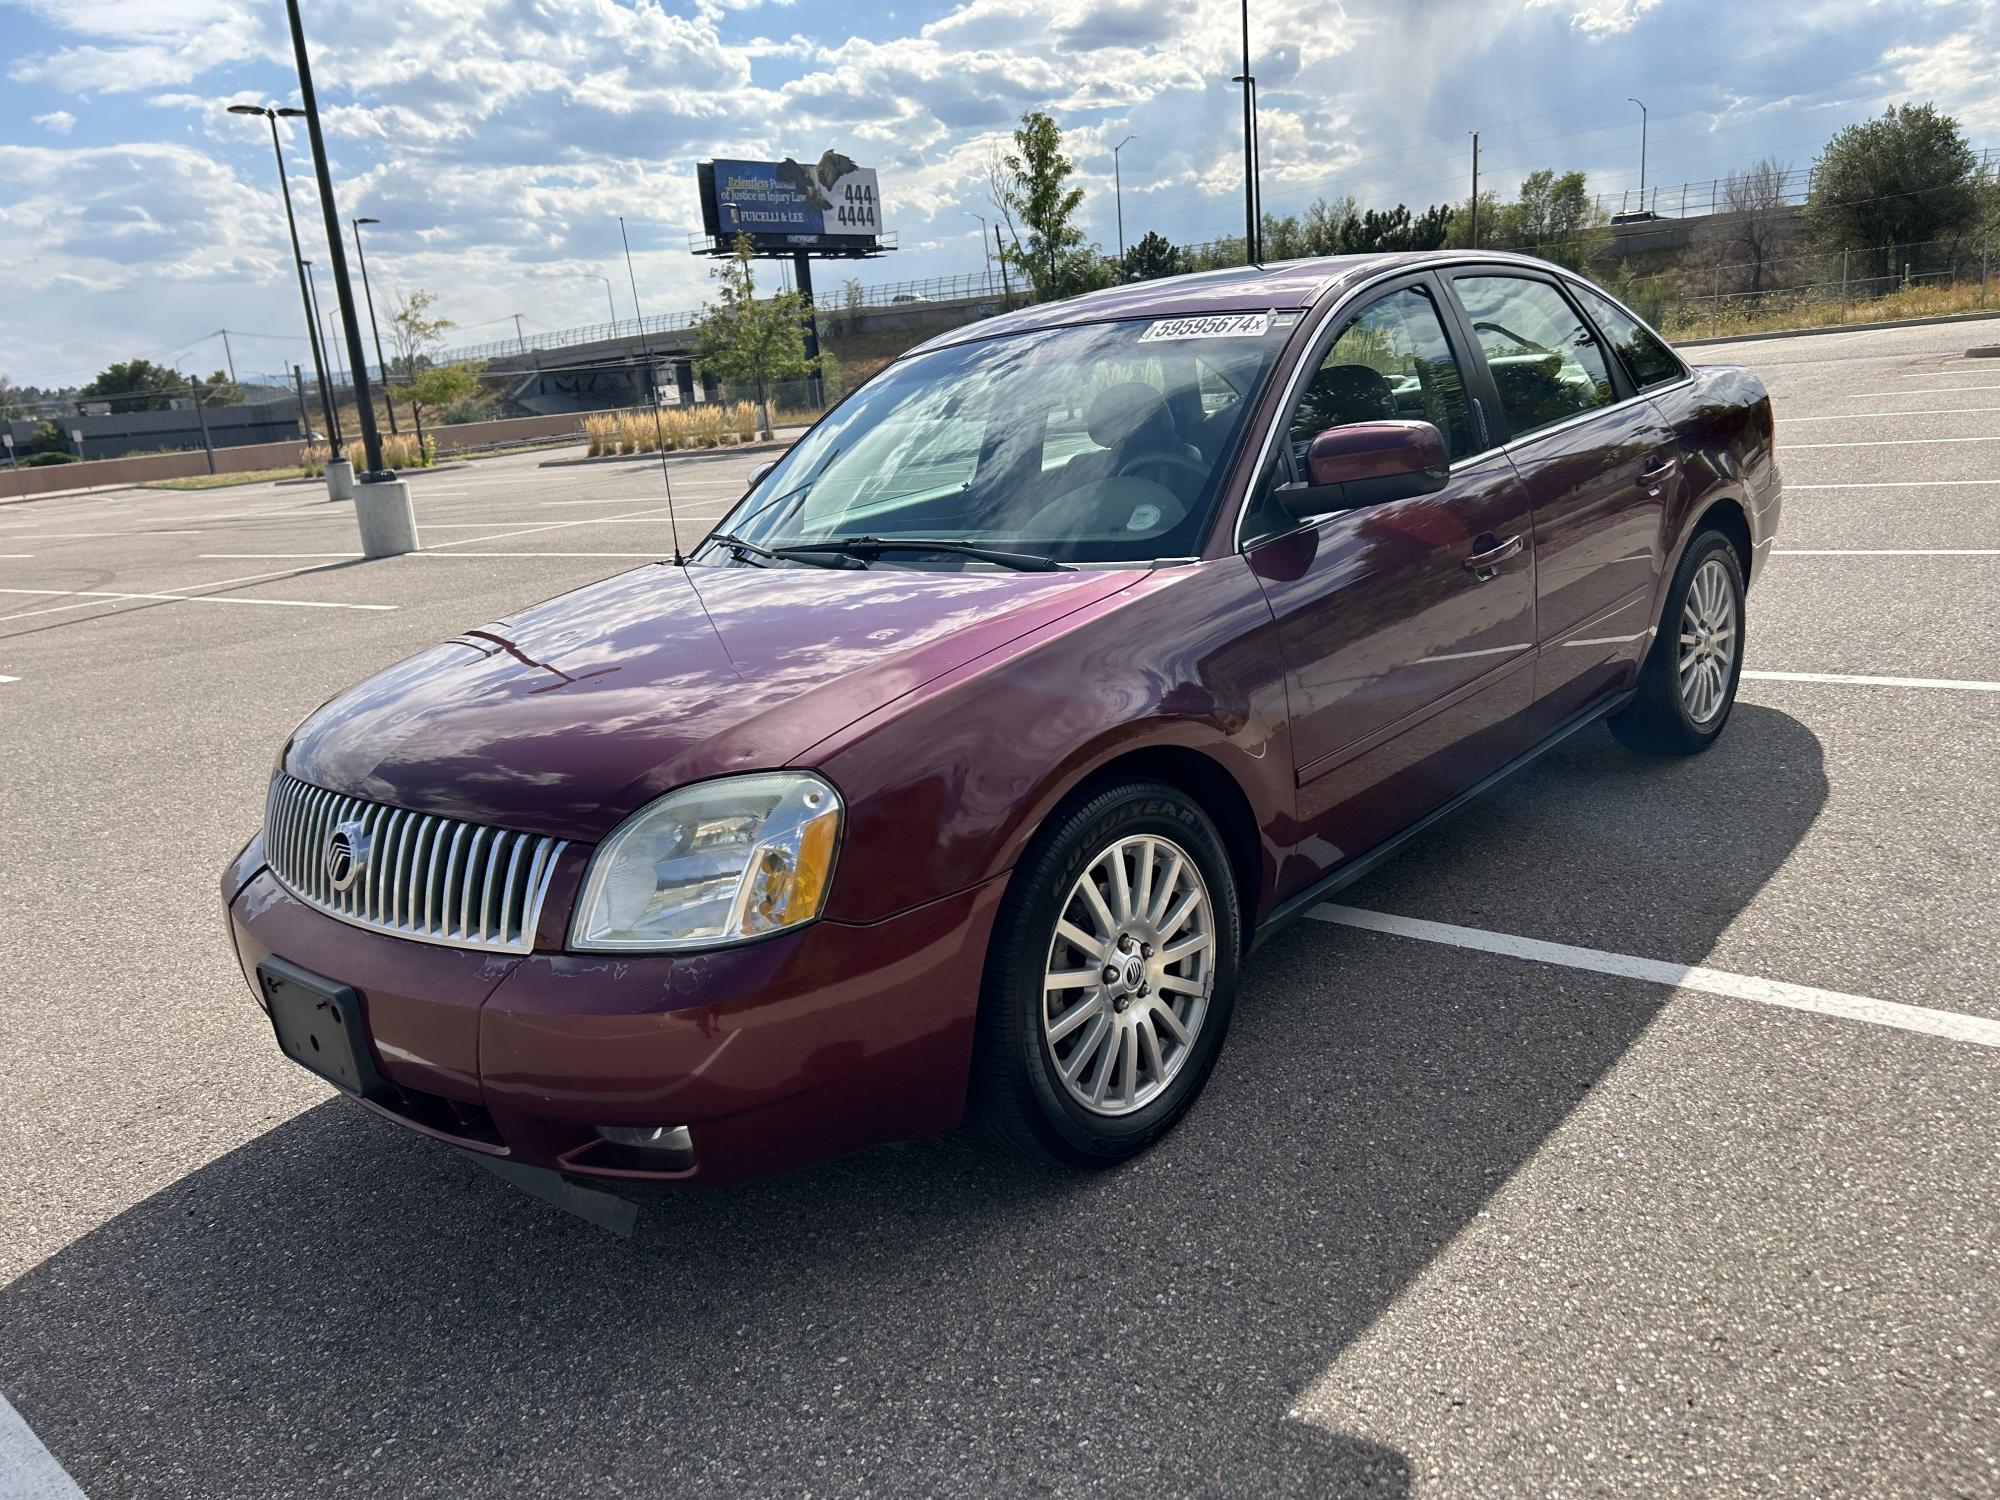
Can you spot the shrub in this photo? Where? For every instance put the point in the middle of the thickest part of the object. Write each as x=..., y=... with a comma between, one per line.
x=313, y=459
x=42, y=460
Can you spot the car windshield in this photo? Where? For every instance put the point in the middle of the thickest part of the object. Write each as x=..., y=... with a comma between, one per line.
x=1103, y=443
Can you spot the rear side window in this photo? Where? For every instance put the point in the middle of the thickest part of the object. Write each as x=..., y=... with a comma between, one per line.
x=1649, y=361
x=1546, y=364
x=1392, y=362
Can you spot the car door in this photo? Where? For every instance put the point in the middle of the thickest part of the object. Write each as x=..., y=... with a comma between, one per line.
x=1598, y=461
x=1408, y=625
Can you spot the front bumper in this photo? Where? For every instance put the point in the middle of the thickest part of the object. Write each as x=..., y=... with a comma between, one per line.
x=774, y=1054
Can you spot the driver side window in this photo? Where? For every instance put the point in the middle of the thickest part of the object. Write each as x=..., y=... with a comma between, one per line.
x=1392, y=362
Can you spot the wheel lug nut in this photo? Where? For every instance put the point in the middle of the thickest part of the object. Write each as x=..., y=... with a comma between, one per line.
x=1111, y=973
x=1145, y=950
x=1119, y=1004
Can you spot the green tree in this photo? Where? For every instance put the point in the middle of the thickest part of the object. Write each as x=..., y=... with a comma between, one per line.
x=438, y=386
x=1458, y=233
x=1553, y=217
x=1885, y=186
x=1153, y=257
x=13, y=402
x=1054, y=258
x=415, y=333
x=136, y=385
x=220, y=390
x=751, y=342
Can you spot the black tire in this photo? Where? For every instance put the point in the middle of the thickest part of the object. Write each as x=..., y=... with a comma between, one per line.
x=1017, y=1096
x=1657, y=721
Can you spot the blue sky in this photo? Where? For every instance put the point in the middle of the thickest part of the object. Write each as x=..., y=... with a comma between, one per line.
x=498, y=140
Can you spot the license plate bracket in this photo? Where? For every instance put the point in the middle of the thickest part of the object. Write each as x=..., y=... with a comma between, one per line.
x=320, y=1026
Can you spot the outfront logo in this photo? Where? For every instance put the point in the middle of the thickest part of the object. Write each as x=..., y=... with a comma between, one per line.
x=347, y=854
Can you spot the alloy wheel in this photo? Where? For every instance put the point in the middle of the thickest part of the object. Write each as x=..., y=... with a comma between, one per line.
x=1708, y=642
x=1129, y=973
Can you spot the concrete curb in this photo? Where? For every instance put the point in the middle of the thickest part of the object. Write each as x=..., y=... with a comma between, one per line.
x=779, y=443
x=1806, y=333
x=400, y=474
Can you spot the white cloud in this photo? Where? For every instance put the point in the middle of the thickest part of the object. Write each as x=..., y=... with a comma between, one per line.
x=1599, y=18
x=57, y=122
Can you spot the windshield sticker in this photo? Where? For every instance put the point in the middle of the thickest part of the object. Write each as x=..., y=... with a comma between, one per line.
x=1226, y=326
x=1285, y=320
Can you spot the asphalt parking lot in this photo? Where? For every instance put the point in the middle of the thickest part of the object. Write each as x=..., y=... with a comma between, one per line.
x=1449, y=1220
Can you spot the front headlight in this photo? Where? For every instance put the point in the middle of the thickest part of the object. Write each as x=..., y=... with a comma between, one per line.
x=715, y=863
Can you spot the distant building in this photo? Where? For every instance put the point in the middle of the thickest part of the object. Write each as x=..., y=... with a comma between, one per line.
x=115, y=434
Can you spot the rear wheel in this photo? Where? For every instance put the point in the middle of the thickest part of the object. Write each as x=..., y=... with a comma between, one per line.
x=1688, y=684
x=1110, y=977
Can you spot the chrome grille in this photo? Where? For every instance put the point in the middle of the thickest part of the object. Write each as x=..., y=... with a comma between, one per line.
x=433, y=879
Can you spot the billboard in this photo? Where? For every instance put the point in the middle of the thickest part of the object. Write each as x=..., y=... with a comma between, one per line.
x=829, y=204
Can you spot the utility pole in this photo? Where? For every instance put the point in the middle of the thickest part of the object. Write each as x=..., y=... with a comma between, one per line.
x=201, y=417
x=228, y=356
x=520, y=339
x=1000, y=251
x=336, y=242
x=1472, y=237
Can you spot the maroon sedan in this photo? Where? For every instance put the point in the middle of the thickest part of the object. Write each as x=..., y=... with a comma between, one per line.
x=958, y=769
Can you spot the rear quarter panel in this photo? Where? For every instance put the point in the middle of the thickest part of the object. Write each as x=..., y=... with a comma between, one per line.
x=1725, y=425
x=946, y=786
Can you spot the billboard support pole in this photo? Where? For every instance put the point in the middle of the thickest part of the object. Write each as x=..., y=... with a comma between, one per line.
x=802, y=265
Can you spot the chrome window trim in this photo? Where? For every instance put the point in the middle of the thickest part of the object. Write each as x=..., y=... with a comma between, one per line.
x=1342, y=303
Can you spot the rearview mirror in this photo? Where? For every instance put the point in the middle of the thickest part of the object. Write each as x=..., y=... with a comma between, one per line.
x=1366, y=463
x=757, y=474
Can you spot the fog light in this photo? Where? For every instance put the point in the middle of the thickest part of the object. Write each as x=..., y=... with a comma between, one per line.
x=653, y=1148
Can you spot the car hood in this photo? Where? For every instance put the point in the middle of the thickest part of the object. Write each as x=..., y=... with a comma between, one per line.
x=568, y=716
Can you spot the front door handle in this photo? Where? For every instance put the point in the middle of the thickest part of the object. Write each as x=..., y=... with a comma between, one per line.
x=1484, y=565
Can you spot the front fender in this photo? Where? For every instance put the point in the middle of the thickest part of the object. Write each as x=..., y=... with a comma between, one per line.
x=947, y=785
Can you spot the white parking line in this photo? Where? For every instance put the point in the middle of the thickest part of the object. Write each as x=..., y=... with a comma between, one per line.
x=1857, y=416
x=1885, y=551
x=1887, y=484
x=9, y=679
x=28, y=1471
x=184, y=599
x=1923, y=390
x=1951, y=1025
x=1890, y=442
x=1851, y=680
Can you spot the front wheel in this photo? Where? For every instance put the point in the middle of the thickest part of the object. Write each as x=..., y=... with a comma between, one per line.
x=1688, y=684
x=1110, y=978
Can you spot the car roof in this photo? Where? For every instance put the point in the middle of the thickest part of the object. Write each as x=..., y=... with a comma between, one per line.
x=1274, y=285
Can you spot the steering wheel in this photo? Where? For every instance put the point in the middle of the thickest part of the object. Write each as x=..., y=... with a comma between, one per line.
x=1509, y=334
x=1151, y=460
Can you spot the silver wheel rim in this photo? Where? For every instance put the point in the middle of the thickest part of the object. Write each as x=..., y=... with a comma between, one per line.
x=1129, y=972
x=1708, y=642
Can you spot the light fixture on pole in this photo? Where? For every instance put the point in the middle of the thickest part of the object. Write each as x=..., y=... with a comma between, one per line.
x=1642, y=150
x=273, y=114
x=373, y=326
x=1118, y=193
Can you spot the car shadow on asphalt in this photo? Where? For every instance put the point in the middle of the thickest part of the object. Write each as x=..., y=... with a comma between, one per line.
x=337, y=1307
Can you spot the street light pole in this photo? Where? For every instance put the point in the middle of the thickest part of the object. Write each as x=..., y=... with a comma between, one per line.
x=609, y=304
x=1642, y=151
x=335, y=438
x=1118, y=195
x=373, y=327
x=1251, y=249
x=985, y=255
x=272, y=113
x=371, y=440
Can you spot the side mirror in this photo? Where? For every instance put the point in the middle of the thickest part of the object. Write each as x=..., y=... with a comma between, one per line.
x=757, y=474
x=1366, y=463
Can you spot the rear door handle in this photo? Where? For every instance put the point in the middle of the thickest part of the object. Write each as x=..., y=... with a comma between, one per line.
x=1484, y=565
x=1660, y=471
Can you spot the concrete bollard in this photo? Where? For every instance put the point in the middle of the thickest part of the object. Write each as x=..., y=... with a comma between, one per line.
x=339, y=479
x=388, y=520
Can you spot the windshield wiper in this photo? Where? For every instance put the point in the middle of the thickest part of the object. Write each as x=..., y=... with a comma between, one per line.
x=868, y=547
x=741, y=546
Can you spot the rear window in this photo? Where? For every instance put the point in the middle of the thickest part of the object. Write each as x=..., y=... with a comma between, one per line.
x=1649, y=361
